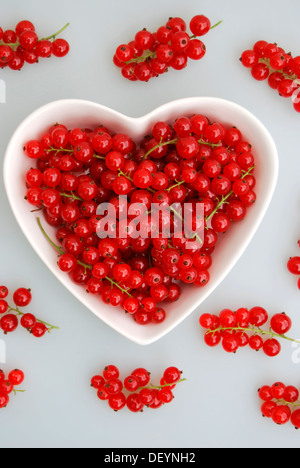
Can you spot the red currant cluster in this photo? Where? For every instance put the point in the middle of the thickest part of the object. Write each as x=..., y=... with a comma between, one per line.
x=152, y=54
x=293, y=266
x=280, y=403
x=22, y=45
x=243, y=327
x=270, y=62
x=9, y=321
x=193, y=162
x=7, y=385
x=136, y=391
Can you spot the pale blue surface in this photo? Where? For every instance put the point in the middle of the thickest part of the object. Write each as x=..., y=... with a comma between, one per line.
x=217, y=406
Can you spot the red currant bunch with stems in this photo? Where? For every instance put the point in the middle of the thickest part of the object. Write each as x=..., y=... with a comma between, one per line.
x=135, y=391
x=8, y=383
x=9, y=315
x=150, y=239
x=151, y=54
x=280, y=403
x=270, y=62
x=22, y=45
x=240, y=328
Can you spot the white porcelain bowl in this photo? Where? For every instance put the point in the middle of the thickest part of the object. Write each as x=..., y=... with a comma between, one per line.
x=80, y=113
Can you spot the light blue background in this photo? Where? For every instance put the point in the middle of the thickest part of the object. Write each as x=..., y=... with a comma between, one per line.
x=218, y=405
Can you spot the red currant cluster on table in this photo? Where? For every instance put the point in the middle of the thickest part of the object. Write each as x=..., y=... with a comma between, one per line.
x=8, y=383
x=9, y=320
x=280, y=403
x=240, y=328
x=135, y=392
x=270, y=62
x=22, y=45
x=293, y=266
x=152, y=54
x=194, y=161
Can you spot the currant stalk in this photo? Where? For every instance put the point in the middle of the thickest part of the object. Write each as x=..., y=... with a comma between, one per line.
x=84, y=265
x=18, y=312
x=225, y=197
x=256, y=330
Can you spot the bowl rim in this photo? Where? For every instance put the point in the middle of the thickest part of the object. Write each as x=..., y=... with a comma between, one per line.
x=274, y=170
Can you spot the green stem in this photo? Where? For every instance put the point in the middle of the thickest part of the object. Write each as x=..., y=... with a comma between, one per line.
x=170, y=142
x=121, y=173
x=294, y=78
x=181, y=218
x=19, y=391
x=176, y=185
x=256, y=330
x=159, y=387
x=51, y=149
x=72, y=196
x=15, y=45
x=223, y=199
x=217, y=24
x=18, y=312
x=59, y=249
x=53, y=36
x=87, y=267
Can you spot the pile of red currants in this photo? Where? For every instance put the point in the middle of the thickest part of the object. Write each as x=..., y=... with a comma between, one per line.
x=171, y=46
x=137, y=260
x=22, y=45
x=268, y=61
x=135, y=392
x=8, y=383
x=240, y=328
x=280, y=403
x=9, y=320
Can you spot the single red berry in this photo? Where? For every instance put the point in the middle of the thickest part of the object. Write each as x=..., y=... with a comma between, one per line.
x=172, y=375
x=281, y=414
x=258, y=316
x=39, y=330
x=134, y=403
x=22, y=297
x=200, y=25
x=16, y=377
x=267, y=408
x=111, y=372
x=272, y=347
x=117, y=401
x=281, y=323
x=293, y=265
x=97, y=381
x=9, y=323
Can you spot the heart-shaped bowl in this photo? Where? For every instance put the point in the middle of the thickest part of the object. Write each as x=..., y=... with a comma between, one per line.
x=84, y=114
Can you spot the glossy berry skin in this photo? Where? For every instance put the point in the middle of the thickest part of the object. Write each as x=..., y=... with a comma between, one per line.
x=16, y=377
x=293, y=265
x=281, y=323
x=271, y=347
x=281, y=414
x=111, y=372
x=22, y=297
x=200, y=25
x=117, y=401
x=39, y=330
x=9, y=323
x=258, y=316
x=172, y=375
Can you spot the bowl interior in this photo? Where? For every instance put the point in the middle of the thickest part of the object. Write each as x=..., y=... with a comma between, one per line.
x=79, y=113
